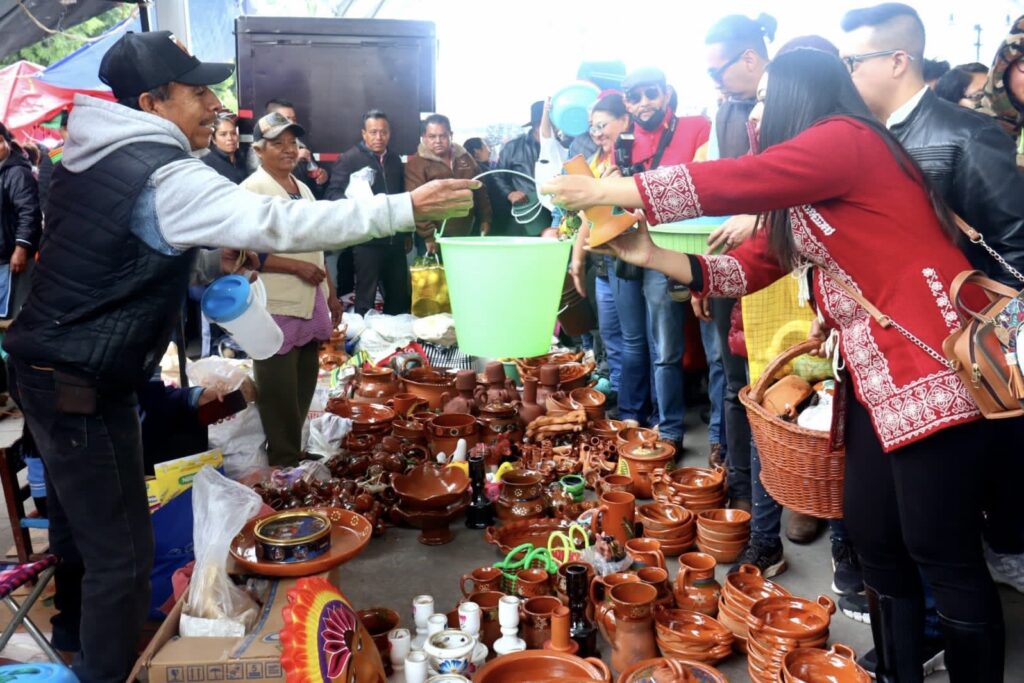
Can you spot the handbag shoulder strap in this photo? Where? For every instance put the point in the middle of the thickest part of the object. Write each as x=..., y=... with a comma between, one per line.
x=881, y=318
x=976, y=237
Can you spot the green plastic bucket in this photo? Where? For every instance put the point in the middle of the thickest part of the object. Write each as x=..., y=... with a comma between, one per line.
x=688, y=237
x=505, y=292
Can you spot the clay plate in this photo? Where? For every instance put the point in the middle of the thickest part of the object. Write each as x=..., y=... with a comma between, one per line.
x=350, y=533
x=429, y=486
x=514, y=534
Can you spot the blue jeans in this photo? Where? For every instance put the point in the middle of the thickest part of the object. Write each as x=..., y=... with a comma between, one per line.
x=666, y=318
x=716, y=382
x=611, y=332
x=766, y=514
x=634, y=381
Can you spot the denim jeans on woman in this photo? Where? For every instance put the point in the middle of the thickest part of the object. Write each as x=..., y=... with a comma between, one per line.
x=666, y=319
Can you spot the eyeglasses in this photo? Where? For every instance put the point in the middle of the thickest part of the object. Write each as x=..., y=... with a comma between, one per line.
x=597, y=128
x=651, y=92
x=718, y=74
x=977, y=96
x=853, y=61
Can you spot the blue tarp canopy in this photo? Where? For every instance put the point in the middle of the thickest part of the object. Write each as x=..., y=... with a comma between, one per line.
x=80, y=69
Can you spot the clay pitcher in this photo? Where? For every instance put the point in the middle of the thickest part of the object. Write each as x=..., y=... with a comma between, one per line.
x=617, y=515
x=529, y=409
x=696, y=588
x=658, y=577
x=629, y=625
x=646, y=552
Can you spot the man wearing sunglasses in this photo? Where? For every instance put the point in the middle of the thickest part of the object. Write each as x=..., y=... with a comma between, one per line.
x=660, y=138
x=971, y=162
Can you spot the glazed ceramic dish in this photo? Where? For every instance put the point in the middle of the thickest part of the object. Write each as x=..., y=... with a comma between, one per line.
x=541, y=666
x=514, y=534
x=350, y=533
x=430, y=486
x=836, y=665
x=792, y=617
x=675, y=670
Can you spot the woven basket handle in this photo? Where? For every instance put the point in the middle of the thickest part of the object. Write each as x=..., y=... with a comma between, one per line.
x=768, y=374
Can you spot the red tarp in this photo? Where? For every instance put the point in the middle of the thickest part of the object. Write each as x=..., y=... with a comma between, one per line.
x=26, y=101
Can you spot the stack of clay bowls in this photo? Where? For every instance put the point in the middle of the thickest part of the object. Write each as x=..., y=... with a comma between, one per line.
x=838, y=664
x=722, y=533
x=672, y=525
x=695, y=488
x=683, y=634
x=779, y=626
x=740, y=590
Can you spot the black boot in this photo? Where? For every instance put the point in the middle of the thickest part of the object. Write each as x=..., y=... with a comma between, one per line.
x=974, y=652
x=897, y=626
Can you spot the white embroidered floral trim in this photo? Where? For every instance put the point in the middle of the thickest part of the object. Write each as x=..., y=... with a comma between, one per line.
x=725, y=277
x=818, y=219
x=900, y=413
x=671, y=194
x=938, y=290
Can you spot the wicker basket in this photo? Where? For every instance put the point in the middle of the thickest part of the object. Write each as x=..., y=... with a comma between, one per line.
x=798, y=468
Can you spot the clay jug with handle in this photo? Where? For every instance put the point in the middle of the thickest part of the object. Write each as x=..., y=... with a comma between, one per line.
x=629, y=625
x=696, y=588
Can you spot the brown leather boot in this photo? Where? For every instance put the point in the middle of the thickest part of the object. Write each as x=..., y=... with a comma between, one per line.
x=715, y=457
x=803, y=529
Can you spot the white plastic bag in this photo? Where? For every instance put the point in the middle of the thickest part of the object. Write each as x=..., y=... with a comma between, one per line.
x=215, y=605
x=326, y=434
x=221, y=375
x=437, y=329
x=240, y=438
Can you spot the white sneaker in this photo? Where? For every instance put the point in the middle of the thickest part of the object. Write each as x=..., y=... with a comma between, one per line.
x=1006, y=569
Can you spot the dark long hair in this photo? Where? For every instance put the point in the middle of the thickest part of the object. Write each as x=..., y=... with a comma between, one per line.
x=807, y=86
x=11, y=142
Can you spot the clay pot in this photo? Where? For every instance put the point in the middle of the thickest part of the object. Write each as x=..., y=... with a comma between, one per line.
x=444, y=432
x=409, y=432
x=838, y=664
x=629, y=625
x=530, y=409
x=465, y=401
x=481, y=579
x=535, y=619
x=532, y=583
x=405, y=404
x=606, y=429
x=642, y=459
x=591, y=400
x=696, y=588
x=522, y=496
x=542, y=665
x=436, y=388
x=658, y=577
x=490, y=628
x=379, y=621
x=499, y=388
x=497, y=420
x=374, y=385
x=615, y=482
x=646, y=552
x=430, y=486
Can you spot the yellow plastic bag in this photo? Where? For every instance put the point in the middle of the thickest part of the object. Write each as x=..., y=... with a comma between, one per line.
x=429, y=287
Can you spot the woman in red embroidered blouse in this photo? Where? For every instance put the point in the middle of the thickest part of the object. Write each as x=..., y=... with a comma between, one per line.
x=839, y=194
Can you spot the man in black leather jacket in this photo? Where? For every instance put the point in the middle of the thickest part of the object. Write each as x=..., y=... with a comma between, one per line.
x=521, y=154
x=969, y=159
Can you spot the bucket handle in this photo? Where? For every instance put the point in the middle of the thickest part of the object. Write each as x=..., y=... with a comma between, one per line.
x=522, y=216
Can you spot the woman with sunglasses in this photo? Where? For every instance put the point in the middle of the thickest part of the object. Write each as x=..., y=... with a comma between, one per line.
x=838, y=195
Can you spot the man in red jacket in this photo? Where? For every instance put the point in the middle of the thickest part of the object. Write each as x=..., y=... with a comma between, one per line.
x=660, y=138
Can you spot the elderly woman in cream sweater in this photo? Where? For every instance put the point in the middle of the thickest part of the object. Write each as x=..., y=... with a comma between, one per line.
x=300, y=297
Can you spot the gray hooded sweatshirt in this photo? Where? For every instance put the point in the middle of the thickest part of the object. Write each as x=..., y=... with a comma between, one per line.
x=187, y=204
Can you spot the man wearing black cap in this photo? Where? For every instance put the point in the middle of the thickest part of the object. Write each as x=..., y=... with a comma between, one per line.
x=521, y=155
x=128, y=207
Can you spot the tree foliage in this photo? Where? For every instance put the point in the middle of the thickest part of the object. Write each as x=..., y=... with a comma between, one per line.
x=58, y=46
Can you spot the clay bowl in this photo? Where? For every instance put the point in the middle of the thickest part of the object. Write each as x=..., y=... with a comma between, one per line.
x=430, y=487
x=591, y=400
x=430, y=385
x=678, y=627
x=367, y=417
x=675, y=670
x=672, y=535
x=542, y=666
x=716, y=537
x=663, y=516
x=722, y=552
x=606, y=429
x=572, y=376
x=675, y=549
x=791, y=617
x=636, y=434
x=409, y=431
x=838, y=664
x=724, y=520
x=746, y=586
x=696, y=480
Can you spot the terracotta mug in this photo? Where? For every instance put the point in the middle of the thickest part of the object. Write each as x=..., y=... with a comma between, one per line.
x=535, y=620
x=490, y=628
x=406, y=404
x=646, y=552
x=696, y=588
x=482, y=579
x=379, y=621
x=532, y=583
x=616, y=482
x=601, y=586
x=658, y=577
x=629, y=625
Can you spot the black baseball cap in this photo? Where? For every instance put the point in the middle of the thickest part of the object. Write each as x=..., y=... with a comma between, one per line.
x=646, y=76
x=271, y=125
x=536, y=113
x=139, y=62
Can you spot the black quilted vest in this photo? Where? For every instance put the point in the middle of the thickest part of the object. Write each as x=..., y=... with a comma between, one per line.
x=103, y=304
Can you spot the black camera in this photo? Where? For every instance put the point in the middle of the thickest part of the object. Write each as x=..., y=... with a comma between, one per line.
x=624, y=155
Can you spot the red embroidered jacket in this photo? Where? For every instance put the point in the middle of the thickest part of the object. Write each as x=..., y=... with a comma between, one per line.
x=855, y=212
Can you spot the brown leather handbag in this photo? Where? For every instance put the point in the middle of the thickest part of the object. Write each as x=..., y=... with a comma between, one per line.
x=977, y=351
